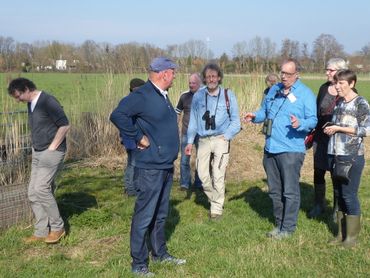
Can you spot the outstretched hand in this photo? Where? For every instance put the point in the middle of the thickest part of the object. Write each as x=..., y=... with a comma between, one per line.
x=248, y=117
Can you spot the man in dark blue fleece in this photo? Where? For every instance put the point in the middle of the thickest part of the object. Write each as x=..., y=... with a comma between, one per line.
x=148, y=117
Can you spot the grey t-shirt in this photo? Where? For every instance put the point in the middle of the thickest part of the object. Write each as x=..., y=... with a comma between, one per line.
x=184, y=105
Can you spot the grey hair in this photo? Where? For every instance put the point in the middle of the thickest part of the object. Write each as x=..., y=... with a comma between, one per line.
x=337, y=63
x=272, y=78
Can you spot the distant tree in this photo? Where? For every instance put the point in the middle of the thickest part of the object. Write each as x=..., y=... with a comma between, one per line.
x=240, y=54
x=173, y=50
x=224, y=60
x=7, y=48
x=365, y=50
x=290, y=49
x=305, y=59
x=325, y=47
x=23, y=56
x=90, y=54
x=261, y=52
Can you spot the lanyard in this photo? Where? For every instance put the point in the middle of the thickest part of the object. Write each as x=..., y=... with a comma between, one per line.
x=268, y=112
x=218, y=98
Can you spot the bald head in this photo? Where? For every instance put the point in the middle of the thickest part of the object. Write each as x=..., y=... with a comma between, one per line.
x=194, y=82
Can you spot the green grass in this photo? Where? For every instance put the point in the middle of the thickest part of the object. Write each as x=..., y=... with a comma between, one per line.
x=83, y=91
x=98, y=222
x=98, y=217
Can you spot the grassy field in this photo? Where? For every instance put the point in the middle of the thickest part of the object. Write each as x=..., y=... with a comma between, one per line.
x=98, y=217
x=84, y=91
x=98, y=224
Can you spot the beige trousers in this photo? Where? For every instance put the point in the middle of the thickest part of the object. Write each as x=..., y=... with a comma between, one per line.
x=212, y=159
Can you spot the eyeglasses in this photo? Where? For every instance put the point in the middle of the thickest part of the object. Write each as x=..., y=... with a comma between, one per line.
x=211, y=77
x=288, y=74
x=330, y=70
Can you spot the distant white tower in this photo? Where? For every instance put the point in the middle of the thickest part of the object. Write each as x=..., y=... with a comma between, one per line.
x=208, y=40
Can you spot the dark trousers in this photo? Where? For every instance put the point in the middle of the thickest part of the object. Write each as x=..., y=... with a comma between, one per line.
x=185, y=175
x=348, y=192
x=128, y=176
x=283, y=173
x=150, y=213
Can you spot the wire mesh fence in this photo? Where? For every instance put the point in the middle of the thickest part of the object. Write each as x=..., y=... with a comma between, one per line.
x=15, y=159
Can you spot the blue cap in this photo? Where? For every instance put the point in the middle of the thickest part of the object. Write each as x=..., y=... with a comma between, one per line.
x=162, y=63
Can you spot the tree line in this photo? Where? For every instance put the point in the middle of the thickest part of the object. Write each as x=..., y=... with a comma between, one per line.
x=256, y=55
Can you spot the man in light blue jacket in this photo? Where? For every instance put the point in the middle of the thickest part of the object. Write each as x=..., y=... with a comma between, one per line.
x=288, y=113
x=214, y=115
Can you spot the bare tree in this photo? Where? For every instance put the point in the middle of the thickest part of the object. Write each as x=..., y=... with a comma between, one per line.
x=90, y=52
x=325, y=47
x=290, y=49
x=7, y=47
x=365, y=50
x=23, y=56
x=240, y=54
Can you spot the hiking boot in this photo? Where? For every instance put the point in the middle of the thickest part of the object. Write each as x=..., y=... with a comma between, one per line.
x=142, y=271
x=282, y=235
x=273, y=232
x=170, y=259
x=215, y=217
x=55, y=236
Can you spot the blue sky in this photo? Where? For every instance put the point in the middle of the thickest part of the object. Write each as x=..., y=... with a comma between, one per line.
x=164, y=22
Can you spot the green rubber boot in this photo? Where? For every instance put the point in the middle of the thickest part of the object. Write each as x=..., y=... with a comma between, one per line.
x=353, y=227
x=341, y=223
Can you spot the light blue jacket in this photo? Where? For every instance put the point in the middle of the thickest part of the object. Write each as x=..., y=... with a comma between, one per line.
x=300, y=102
x=225, y=125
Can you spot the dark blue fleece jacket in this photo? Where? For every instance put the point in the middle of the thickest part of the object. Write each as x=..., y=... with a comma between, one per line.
x=147, y=112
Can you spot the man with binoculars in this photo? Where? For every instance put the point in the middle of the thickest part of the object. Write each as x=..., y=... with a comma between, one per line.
x=214, y=117
x=288, y=113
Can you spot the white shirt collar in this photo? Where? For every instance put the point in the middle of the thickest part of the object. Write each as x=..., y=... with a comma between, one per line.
x=164, y=93
x=34, y=101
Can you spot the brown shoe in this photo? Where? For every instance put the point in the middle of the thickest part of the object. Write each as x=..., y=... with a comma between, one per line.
x=55, y=236
x=33, y=239
x=215, y=217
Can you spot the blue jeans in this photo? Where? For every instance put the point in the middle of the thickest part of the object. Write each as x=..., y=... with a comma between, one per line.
x=150, y=213
x=348, y=201
x=128, y=176
x=283, y=172
x=185, y=175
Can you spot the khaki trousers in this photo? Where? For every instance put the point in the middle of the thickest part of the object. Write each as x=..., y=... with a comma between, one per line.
x=45, y=165
x=212, y=159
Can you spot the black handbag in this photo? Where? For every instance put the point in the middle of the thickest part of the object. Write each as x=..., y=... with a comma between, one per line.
x=341, y=168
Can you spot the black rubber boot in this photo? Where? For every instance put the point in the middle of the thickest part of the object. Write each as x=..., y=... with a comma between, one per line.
x=341, y=229
x=335, y=206
x=353, y=227
x=319, y=206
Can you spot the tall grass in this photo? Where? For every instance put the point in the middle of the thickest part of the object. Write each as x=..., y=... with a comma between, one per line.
x=88, y=100
x=15, y=146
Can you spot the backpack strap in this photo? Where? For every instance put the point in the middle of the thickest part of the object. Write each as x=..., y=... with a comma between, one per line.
x=227, y=101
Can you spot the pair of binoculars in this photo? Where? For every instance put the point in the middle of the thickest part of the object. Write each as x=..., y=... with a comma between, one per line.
x=210, y=122
x=267, y=127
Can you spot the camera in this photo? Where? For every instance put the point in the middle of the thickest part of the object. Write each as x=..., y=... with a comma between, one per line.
x=210, y=122
x=267, y=127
